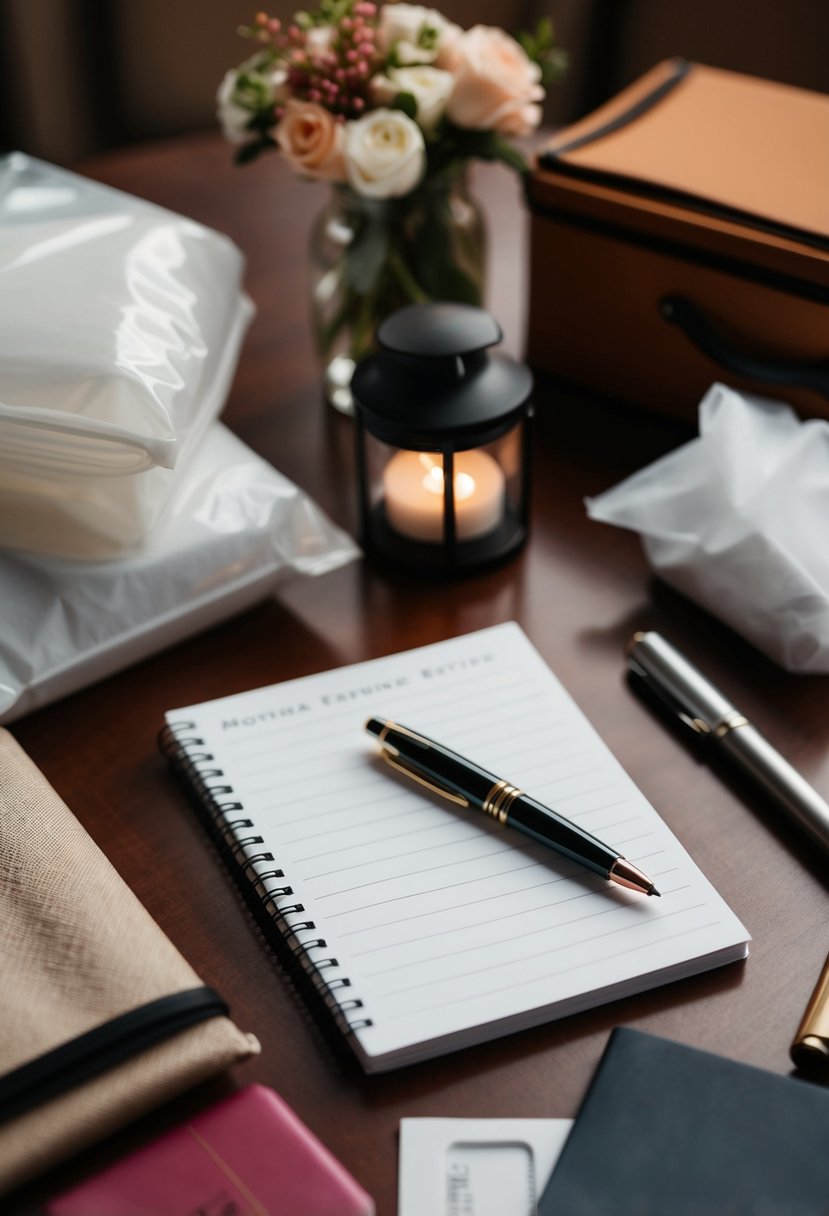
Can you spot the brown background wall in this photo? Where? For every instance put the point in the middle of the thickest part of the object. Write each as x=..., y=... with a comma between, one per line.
x=80, y=75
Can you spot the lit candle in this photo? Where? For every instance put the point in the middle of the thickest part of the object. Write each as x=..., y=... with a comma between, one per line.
x=413, y=488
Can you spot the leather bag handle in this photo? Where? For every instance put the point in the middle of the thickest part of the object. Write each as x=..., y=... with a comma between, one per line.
x=699, y=329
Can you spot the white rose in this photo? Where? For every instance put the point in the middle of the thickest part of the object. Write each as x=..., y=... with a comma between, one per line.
x=417, y=34
x=233, y=118
x=237, y=102
x=319, y=39
x=429, y=86
x=384, y=154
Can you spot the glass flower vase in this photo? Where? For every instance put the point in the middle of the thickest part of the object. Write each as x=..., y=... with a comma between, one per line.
x=369, y=257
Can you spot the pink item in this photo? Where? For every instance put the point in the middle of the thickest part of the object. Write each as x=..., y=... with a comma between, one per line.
x=248, y=1155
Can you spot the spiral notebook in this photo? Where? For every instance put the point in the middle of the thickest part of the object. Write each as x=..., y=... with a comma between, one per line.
x=423, y=926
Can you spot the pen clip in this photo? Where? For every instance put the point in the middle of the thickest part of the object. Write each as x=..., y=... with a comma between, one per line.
x=432, y=785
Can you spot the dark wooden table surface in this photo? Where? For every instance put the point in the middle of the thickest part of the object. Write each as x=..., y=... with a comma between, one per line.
x=579, y=590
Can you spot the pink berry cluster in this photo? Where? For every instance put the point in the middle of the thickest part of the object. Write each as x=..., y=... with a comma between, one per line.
x=331, y=66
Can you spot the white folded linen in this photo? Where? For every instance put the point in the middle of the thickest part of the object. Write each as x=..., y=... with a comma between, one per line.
x=122, y=325
x=234, y=528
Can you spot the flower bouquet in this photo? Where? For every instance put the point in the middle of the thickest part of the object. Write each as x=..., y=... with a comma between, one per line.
x=389, y=104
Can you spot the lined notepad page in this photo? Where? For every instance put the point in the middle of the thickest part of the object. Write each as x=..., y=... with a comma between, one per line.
x=450, y=928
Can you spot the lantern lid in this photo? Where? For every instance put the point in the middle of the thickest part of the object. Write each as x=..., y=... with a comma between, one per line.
x=438, y=330
x=434, y=383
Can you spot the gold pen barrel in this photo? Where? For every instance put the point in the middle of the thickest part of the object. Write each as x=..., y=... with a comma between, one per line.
x=810, y=1049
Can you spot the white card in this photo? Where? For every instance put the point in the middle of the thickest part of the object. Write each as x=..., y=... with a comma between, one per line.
x=476, y=1167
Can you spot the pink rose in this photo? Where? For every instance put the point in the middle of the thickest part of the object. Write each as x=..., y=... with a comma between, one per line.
x=312, y=140
x=496, y=85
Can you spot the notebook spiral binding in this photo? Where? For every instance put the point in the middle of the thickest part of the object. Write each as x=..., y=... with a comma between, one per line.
x=267, y=891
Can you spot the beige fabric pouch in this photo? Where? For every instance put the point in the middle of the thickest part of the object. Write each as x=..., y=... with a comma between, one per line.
x=102, y=1019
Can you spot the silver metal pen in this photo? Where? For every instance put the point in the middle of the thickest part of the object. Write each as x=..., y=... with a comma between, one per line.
x=702, y=707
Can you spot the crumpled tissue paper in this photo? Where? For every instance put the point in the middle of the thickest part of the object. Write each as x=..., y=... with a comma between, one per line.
x=738, y=520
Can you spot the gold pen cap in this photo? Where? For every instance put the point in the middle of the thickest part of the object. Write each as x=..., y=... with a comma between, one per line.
x=810, y=1049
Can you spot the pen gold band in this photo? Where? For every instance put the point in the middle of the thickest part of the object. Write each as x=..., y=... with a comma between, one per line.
x=499, y=800
x=729, y=723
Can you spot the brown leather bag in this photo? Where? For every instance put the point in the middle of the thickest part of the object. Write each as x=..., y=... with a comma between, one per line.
x=680, y=235
x=102, y=1019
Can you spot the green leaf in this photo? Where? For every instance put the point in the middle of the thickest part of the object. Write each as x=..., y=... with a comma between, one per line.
x=509, y=155
x=544, y=34
x=407, y=281
x=554, y=65
x=540, y=48
x=261, y=122
x=427, y=37
x=366, y=256
x=249, y=152
x=458, y=286
x=405, y=102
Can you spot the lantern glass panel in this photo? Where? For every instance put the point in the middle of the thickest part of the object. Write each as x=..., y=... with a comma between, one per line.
x=407, y=489
x=378, y=455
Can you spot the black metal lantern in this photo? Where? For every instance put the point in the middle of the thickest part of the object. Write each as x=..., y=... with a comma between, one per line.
x=442, y=433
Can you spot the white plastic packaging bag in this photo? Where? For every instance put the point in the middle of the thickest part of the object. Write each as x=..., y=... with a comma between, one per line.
x=121, y=328
x=235, y=527
x=738, y=520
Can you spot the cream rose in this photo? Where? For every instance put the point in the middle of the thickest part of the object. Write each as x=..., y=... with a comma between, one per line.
x=496, y=85
x=312, y=140
x=245, y=90
x=319, y=39
x=384, y=154
x=429, y=86
x=415, y=33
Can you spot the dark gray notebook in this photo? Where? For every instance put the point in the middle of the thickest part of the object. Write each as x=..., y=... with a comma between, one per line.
x=668, y=1130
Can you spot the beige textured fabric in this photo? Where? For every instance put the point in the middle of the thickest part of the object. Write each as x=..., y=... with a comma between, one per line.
x=76, y=949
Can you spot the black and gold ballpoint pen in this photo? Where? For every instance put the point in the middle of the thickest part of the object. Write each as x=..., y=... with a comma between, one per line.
x=467, y=784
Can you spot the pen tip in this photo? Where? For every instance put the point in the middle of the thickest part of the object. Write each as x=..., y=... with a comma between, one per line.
x=653, y=891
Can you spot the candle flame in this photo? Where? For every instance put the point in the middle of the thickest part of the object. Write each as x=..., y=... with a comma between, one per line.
x=434, y=479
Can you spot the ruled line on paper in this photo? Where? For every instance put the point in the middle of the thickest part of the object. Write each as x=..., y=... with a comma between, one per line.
x=619, y=823
x=594, y=882
x=352, y=825
x=467, y=903
x=448, y=865
x=603, y=806
x=337, y=768
x=516, y=960
x=615, y=954
x=444, y=932
x=553, y=927
x=401, y=943
x=432, y=827
x=280, y=784
x=540, y=855
x=380, y=903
